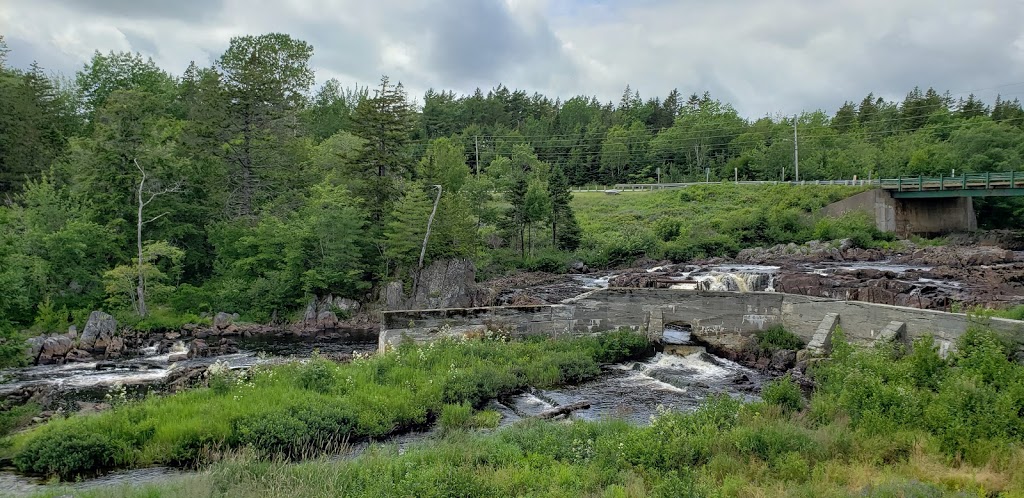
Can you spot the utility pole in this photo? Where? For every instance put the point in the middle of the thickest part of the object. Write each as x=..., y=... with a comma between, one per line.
x=796, y=151
x=476, y=145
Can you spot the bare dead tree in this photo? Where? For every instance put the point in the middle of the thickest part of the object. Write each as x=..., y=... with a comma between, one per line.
x=430, y=221
x=144, y=201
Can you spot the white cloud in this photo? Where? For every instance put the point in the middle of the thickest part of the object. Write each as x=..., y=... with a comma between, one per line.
x=764, y=56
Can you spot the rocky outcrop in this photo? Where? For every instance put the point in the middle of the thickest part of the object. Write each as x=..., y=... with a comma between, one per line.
x=222, y=320
x=443, y=284
x=99, y=328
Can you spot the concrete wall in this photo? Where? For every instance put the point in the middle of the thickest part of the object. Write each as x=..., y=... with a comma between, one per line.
x=713, y=315
x=910, y=216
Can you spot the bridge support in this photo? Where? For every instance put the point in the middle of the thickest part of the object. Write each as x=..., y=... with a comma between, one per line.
x=918, y=216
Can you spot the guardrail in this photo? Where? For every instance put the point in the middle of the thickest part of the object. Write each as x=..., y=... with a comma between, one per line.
x=972, y=181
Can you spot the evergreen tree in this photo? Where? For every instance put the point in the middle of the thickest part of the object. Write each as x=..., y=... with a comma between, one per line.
x=516, y=216
x=564, y=229
x=265, y=80
x=384, y=123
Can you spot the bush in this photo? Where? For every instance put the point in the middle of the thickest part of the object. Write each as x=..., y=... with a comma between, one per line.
x=622, y=345
x=17, y=417
x=776, y=338
x=317, y=374
x=783, y=392
x=66, y=454
x=857, y=227
x=455, y=416
x=547, y=261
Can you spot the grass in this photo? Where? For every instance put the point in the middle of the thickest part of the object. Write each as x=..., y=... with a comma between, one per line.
x=713, y=220
x=302, y=409
x=878, y=425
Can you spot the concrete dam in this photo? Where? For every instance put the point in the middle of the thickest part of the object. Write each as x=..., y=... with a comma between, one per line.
x=723, y=318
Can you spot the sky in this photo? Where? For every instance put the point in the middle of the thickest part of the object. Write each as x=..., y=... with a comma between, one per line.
x=765, y=57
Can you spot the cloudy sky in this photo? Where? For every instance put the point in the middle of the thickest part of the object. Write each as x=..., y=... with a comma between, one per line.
x=763, y=56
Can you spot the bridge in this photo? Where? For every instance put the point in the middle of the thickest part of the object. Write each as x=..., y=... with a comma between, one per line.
x=967, y=185
x=1001, y=184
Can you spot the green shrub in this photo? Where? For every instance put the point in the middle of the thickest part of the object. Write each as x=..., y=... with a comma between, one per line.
x=66, y=454
x=858, y=227
x=547, y=261
x=276, y=432
x=621, y=345
x=667, y=228
x=791, y=466
x=455, y=416
x=318, y=374
x=17, y=417
x=777, y=337
x=783, y=392
x=769, y=442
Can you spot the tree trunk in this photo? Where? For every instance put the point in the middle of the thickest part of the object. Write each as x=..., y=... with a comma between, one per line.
x=140, y=289
x=522, y=241
x=430, y=221
x=554, y=231
x=562, y=410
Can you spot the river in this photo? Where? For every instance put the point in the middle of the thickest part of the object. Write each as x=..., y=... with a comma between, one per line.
x=633, y=391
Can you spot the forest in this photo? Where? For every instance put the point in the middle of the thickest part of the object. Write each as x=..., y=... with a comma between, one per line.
x=246, y=185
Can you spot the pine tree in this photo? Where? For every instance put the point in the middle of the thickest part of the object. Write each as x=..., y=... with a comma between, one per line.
x=558, y=192
x=384, y=122
x=516, y=216
x=406, y=226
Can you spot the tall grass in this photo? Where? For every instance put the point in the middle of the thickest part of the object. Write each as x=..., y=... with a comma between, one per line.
x=882, y=423
x=301, y=409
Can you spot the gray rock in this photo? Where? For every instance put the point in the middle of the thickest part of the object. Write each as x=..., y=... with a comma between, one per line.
x=54, y=349
x=99, y=324
x=78, y=355
x=198, y=348
x=176, y=357
x=35, y=346
x=115, y=347
x=221, y=320
x=72, y=332
x=327, y=319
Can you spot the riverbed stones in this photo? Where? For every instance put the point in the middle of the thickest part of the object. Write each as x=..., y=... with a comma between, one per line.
x=100, y=324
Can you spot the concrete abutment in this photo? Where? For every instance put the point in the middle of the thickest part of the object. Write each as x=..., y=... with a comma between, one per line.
x=928, y=216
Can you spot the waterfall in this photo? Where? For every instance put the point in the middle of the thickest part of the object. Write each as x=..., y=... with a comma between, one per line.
x=736, y=282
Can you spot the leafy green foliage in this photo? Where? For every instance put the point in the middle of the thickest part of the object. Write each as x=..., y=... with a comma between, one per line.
x=303, y=408
x=777, y=337
x=783, y=392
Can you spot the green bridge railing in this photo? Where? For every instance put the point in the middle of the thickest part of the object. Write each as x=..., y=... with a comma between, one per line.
x=971, y=181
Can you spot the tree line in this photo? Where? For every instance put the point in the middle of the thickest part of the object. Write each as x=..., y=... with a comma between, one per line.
x=243, y=186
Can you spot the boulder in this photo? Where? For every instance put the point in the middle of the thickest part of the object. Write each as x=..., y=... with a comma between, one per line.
x=114, y=348
x=176, y=357
x=326, y=319
x=72, y=332
x=222, y=320
x=198, y=348
x=54, y=349
x=99, y=324
x=78, y=356
x=35, y=346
